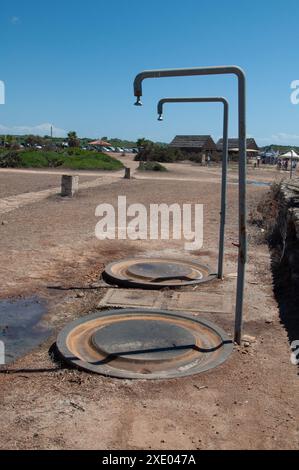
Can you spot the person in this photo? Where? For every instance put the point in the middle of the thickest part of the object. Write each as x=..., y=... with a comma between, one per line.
x=258, y=159
x=208, y=160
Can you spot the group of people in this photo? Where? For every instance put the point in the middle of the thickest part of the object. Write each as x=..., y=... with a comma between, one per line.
x=283, y=164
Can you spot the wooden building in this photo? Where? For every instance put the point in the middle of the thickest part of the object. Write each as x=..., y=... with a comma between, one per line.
x=200, y=144
x=233, y=147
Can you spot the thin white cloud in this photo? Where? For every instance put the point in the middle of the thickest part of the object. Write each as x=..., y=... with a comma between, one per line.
x=15, y=20
x=40, y=129
x=282, y=138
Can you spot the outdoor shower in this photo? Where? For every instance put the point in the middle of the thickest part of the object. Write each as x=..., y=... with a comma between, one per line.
x=242, y=247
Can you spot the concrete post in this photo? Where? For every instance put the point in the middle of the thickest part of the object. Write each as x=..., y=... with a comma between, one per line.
x=69, y=185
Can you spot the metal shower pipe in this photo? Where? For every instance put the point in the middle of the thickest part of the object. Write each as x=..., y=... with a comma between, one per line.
x=212, y=99
x=238, y=72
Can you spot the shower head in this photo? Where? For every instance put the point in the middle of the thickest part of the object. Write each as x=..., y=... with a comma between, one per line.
x=138, y=101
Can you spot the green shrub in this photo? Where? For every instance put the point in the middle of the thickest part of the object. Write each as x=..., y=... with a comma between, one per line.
x=10, y=160
x=76, y=159
x=151, y=166
x=158, y=153
x=195, y=157
x=96, y=161
x=39, y=159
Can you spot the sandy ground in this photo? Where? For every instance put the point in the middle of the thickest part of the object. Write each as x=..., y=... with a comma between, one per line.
x=249, y=402
x=10, y=185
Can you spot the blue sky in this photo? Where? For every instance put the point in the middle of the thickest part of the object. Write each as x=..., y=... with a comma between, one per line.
x=72, y=63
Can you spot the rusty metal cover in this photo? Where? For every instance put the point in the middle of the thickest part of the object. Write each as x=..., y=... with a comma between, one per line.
x=156, y=273
x=143, y=344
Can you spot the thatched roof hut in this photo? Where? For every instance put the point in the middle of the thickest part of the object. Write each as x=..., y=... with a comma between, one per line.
x=194, y=143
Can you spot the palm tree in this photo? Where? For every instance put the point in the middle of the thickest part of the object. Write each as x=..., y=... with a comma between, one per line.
x=72, y=139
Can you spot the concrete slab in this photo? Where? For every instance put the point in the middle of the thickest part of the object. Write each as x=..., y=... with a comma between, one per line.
x=131, y=298
x=201, y=301
x=173, y=300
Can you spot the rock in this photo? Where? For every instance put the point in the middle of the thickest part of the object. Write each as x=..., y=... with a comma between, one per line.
x=200, y=388
x=249, y=339
x=75, y=405
x=232, y=275
x=80, y=295
x=4, y=222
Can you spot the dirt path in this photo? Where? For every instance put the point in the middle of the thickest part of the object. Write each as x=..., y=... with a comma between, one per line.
x=177, y=172
x=15, y=202
x=249, y=402
x=32, y=171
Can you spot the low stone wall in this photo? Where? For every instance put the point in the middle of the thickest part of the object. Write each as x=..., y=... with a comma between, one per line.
x=290, y=197
x=284, y=247
x=287, y=228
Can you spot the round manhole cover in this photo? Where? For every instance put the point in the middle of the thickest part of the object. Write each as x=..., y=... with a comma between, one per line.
x=154, y=270
x=142, y=343
x=156, y=273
